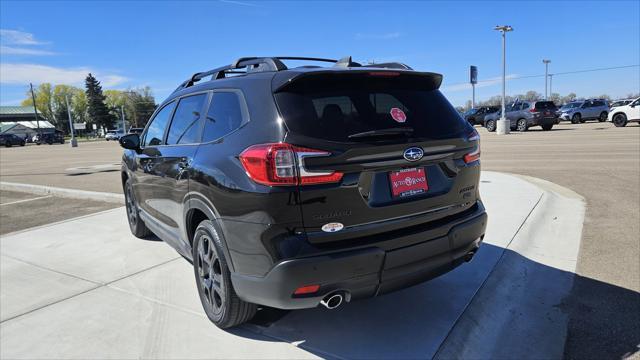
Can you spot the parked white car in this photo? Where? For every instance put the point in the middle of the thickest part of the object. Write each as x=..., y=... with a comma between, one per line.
x=113, y=135
x=622, y=115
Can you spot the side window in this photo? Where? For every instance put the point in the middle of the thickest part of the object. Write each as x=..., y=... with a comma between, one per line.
x=225, y=115
x=155, y=131
x=525, y=106
x=185, y=126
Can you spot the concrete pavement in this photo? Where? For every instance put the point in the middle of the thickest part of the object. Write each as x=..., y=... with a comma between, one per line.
x=104, y=294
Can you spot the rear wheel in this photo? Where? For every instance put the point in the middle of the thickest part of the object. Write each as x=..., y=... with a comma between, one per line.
x=603, y=116
x=576, y=119
x=547, y=127
x=491, y=125
x=137, y=226
x=620, y=120
x=219, y=300
x=521, y=125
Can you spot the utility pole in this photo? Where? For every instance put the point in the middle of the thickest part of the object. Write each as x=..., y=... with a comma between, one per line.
x=546, y=75
x=124, y=125
x=503, y=124
x=74, y=142
x=35, y=109
x=550, y=84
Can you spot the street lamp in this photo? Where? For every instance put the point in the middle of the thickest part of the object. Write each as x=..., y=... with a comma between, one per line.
x=503, y=124
x=546, y=75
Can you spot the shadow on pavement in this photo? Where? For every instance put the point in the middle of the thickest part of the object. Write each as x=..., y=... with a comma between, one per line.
x=604, y=321
x=505, y=319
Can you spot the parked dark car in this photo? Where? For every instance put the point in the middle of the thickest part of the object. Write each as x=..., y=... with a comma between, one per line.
x=295, y=187
x=49, y=138
x=525, y=114
x=476, y=115
x=9, y=140
x=136, y=130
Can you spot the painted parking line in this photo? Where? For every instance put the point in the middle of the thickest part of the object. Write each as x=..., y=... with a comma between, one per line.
x=26, y=200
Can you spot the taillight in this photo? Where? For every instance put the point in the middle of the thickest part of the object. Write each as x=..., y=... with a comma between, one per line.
x=281, y=164
x=475, y=154
x=533, y=110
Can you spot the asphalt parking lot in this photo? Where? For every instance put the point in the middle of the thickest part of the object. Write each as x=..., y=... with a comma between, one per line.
x=596, y=160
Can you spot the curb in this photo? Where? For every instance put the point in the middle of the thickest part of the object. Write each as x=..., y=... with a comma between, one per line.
x=63, y=192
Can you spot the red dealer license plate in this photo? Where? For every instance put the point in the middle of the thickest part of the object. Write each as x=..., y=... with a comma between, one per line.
x=408, y=182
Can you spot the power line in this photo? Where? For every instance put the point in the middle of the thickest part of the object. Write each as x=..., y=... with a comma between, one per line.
x=554, y=74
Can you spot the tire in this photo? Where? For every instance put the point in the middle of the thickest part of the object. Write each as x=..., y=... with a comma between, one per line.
x=603, y=116
x=521, y=125
x=547, y=127
x=490, y=125
x=576, y=119
x=619, y=120
x=219, y=300
x=136, y=225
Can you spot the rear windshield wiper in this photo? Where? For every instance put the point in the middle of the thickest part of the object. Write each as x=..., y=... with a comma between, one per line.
x=382, y=132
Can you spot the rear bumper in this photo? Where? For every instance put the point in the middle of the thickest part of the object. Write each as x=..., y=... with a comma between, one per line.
x=363, y=272
x=545, y=121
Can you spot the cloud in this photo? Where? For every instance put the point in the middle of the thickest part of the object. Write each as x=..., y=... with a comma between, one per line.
x=384, y=36
x=16, y=37
x=26, y=73
x=10, y=50
x=480, y=84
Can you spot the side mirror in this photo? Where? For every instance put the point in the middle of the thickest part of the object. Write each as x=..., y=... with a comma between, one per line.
x=130, y=141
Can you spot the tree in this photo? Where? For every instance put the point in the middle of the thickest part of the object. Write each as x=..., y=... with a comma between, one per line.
x=62, y=93
x=98, y=111
x=44, y=101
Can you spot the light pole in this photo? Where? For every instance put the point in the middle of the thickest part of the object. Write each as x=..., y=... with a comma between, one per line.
x=74, y=142
x=546, y=75
x=550, y=84
x=503, y=124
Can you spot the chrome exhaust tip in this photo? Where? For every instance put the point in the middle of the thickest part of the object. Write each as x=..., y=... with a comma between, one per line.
x=469, y=256
x=332, y=301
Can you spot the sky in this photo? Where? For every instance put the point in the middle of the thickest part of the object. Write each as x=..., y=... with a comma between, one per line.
x=159, y=44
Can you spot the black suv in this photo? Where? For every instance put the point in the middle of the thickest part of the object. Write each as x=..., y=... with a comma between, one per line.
x=294, y=187
x=49, y=138
x=476, y=115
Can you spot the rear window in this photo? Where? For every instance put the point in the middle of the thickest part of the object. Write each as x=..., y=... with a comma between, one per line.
x=346, y=110
x=545, y=105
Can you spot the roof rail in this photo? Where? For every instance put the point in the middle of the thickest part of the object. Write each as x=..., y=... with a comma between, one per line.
x=274, y=63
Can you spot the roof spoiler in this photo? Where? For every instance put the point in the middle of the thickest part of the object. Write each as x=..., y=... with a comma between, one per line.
x=425, y=81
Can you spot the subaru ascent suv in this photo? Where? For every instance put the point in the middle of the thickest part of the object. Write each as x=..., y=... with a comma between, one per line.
x=293, y=187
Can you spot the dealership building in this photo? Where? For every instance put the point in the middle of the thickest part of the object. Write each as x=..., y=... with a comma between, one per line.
x=21, y=121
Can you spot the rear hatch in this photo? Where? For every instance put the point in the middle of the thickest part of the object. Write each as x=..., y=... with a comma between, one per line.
x=545, y=108
x=398, y=142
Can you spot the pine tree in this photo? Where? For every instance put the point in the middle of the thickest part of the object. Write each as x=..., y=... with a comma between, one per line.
x=98, y=111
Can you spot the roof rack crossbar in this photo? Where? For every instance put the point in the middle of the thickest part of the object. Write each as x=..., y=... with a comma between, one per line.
x=305, y=58
x=259, y=64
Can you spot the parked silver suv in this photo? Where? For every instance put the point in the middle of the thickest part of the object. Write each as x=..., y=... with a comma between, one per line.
x=583, y=110
x=524, y=114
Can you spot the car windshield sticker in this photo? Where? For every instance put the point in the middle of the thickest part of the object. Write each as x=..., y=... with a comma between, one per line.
x=398, y=115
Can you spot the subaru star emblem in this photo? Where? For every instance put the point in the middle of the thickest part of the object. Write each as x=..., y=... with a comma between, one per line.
x=413, y=154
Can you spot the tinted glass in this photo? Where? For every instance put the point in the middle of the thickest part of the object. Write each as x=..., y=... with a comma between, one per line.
x=224, y=115
x=155, y=132
x=334, y=114
x=185, y=126
x=545, y=105
x=524, y=106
